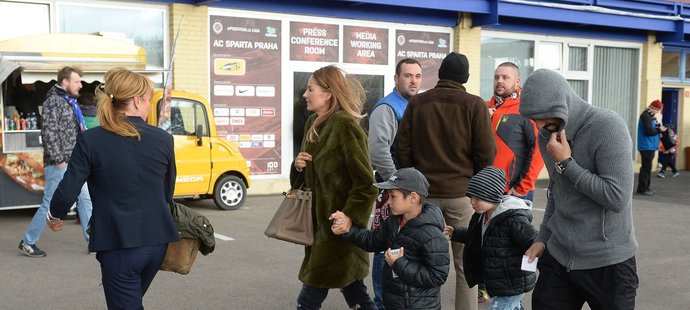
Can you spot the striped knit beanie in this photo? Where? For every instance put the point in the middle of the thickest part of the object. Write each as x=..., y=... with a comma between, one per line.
x=488, y=185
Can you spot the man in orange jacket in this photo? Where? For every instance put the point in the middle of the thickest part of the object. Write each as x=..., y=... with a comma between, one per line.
x=516, y=137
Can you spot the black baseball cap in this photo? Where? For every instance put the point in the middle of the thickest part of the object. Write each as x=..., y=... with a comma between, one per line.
x=409, y=179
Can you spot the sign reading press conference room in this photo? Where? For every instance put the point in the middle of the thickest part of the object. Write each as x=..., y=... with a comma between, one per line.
x=245, y=87
x=314, y=42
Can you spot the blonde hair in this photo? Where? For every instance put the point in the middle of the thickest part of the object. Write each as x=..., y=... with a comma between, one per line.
x=347, y=94
x=113, y=97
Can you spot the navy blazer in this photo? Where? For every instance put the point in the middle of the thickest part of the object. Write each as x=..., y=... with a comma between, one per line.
x=130, y=182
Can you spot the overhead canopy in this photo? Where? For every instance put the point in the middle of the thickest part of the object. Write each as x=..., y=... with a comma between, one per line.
x=41, y=56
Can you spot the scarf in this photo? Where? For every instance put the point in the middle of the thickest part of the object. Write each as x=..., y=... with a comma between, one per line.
x=77, y=111
x=499, y=100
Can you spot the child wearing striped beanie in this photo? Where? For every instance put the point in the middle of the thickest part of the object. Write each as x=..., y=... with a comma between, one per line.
x=499, y=233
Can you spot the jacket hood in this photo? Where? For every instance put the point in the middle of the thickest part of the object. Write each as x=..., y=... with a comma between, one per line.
x=512, y=203
x=431, y=215
x=547, y=94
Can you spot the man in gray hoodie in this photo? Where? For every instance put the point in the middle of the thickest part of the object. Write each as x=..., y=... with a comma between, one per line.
x=586, y=241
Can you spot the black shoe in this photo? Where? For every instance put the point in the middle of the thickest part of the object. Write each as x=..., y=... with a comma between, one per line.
x=30, y=250
x=647, y=193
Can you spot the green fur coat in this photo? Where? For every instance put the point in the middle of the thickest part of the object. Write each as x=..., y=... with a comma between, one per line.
x=341, y=178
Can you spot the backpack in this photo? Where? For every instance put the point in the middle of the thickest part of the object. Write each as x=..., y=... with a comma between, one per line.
x=668, y=138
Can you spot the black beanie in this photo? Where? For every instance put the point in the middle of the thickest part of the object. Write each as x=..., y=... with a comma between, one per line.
x=488, y=185
x=455, y=67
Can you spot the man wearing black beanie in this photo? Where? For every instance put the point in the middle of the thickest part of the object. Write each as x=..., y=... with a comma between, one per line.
x=446, y=134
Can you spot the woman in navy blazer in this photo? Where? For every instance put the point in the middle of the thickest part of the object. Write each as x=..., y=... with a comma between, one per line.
x=130, y=169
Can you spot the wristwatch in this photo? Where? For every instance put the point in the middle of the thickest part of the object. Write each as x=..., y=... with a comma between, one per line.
x=561, y=165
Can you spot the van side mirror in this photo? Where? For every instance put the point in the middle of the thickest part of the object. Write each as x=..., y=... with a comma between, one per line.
x=199, y=133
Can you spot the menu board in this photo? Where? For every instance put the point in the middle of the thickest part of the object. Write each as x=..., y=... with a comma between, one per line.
x=245, y=66
x=429, y=48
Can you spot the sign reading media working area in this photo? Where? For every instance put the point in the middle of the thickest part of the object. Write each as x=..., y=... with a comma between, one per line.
x=245, y=71
x=365, y=45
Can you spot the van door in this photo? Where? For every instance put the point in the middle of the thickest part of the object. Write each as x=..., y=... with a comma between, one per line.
x=192, y=155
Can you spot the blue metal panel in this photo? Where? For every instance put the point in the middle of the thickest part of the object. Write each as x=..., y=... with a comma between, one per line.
x=350, y=10
x=469, y=6
x=487, y=19
x=584, y=17
x=587, y=2
x=485, y=12
x=561, y=29
x=645, y=6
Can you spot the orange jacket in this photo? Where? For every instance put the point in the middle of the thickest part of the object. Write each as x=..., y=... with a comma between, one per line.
x=517, y=146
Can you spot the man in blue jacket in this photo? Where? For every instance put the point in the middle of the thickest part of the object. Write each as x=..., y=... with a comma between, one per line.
x=648, y=130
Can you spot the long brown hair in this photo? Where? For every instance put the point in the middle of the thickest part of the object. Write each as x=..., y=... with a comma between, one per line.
x=113, y=98
x=347, y=94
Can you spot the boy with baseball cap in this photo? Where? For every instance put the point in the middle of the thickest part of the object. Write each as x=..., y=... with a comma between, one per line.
x=499, y=233
x=417, y=260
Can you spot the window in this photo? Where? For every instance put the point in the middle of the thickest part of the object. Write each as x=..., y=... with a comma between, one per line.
x=550, y=55
x=581, y=88
x=144, y=26
x=22, y=19
x=603, y=73
x=616, y=81
x=577, y=58
x=675, y=65
x=496, y=51
x=185, y=116
x=670, y=64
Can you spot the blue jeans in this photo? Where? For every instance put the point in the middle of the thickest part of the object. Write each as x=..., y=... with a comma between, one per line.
x=53, y=175
x=376, y=278
x=506, y=302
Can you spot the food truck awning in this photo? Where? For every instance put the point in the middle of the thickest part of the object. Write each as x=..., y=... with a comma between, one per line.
x=41, y=56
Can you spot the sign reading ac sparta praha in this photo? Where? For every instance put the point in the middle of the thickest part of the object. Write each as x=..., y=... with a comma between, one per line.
x=429, y=48
x=365, y=45
x=245, y=87
x=314, y=42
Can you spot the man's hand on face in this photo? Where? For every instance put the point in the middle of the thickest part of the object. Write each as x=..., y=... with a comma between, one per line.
x=558, y=146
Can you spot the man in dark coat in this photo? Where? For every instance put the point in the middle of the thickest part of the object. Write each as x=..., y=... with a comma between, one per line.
x=446, y=134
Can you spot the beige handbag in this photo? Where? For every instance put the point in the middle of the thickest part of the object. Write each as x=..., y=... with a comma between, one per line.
x=292, y=221
x=180, y=255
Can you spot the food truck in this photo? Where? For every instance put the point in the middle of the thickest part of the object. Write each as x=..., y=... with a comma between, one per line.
x=207, y=166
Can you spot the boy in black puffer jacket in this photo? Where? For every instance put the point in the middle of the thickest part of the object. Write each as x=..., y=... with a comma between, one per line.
x=413, y=276
x=498, y=235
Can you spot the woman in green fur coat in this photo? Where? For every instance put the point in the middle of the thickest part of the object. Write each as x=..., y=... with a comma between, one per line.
x=335, y=163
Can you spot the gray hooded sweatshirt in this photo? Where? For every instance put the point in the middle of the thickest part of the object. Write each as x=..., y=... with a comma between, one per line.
x=588, y=221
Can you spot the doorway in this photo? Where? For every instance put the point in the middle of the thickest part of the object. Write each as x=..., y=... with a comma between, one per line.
x=669, y=97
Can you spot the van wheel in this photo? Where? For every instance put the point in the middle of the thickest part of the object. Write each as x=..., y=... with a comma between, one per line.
x=229, y=193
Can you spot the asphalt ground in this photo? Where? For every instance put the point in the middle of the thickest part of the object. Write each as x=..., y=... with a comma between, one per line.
x=251, y=271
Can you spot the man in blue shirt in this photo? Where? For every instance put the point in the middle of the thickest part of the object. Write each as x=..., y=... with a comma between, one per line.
x=648, y=130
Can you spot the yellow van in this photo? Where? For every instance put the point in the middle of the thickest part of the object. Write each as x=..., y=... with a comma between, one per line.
x=208, y=166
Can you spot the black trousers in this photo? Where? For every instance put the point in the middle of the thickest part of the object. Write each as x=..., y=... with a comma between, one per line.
x=645, y=171
x=127, y=274
x=667, y=160
x=356, y=296
x=607, y=288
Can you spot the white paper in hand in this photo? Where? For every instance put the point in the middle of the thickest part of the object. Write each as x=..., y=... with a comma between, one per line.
x=527, y=266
